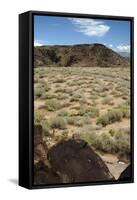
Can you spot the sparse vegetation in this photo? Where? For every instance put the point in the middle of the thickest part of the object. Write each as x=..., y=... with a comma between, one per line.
x=52, y=105
x=58, y=122
x=87, y=102
x=118, y=143
x=88, y=111
x=110, y=117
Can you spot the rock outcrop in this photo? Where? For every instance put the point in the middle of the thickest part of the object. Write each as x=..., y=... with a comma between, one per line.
x=45, y=175
x=40, y=147
x=78, y=161
x=82, y=55
x=126, y=174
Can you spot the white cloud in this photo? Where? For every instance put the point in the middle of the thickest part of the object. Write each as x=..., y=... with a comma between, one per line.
x=41, y=43
x=37, y=44
x=123, y=48
x=111, y=45
x=90, y=27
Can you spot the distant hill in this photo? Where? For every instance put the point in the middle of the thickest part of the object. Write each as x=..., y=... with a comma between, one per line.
x=83, y=55
x=124, y=54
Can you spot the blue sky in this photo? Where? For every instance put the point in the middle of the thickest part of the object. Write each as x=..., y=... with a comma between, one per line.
x=51, y=30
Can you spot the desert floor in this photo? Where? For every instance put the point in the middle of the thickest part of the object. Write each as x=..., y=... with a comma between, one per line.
x=88, y=103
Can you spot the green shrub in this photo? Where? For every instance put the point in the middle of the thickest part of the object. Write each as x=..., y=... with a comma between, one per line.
x=62, y=96
x=63, y=113
x=122, y=142
x=88, y=111
x=58, y=122
x=64, y=134
x=75, y=97
x=105, y=143
x=118, y=143
x=125, y=109
x=81, y=121
x=59, y=80
x=110, y=117
x=40, y=89
x=38, y=117
x=91, y=138
x=52, y=105
x=71, y=120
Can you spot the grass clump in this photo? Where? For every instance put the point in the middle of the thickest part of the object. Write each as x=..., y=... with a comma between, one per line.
x=52, y=105
x=59, y=123
x=40, y=89
x=63, y=113
x=59, y=80
x=88, y=111
x=38, y=117
x=125, y=109
x=81, y=121
x=72, y=120
x=117, y=143
x=110, y=117
x=75, y=97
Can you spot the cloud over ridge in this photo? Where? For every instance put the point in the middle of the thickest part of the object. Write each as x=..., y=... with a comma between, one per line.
x=90, y=27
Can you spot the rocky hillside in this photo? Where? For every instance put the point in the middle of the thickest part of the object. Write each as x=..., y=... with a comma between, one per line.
x=82, y=55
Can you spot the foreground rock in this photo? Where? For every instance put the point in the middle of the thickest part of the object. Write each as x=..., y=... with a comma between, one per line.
x=40, y=147
x=126, y=174
x=44, y=175
x=78, y=162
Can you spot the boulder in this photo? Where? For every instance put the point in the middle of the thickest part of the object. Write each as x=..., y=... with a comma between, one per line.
x=44, y=175
x=40, y=147
x=126, y=174
x=75, y=159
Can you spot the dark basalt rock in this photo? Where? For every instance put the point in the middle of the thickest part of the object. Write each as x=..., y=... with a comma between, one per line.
x=44, y=175
x=126, y=174
x=40, y=147
x=78, y=161
x=84, y=55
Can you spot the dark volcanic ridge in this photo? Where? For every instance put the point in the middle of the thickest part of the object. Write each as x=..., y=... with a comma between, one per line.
x=80, y=55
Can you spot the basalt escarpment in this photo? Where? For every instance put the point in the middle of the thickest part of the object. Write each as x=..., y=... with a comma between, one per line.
x=80, y=55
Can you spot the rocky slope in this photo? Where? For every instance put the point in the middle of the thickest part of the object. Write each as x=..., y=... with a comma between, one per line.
x=82, y=55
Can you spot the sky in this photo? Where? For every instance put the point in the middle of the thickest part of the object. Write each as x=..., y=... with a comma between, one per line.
x=52, y=30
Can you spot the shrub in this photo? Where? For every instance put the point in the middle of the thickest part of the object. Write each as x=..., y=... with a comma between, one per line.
x=58, y=122
x=63, y=113
x=118, y=143
x=82, y=121
x=52, y=105
x=88, y=111
x=91, y=138
x=62, y=96
x=125, y=109
x=110, y=117
x=48, y=96
x=105, y=143
x=65, y=134
x=71, y=120
x=38, y=117
x=59, y=80
x=122, y=142
x=40, y=89
x=75, y=97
